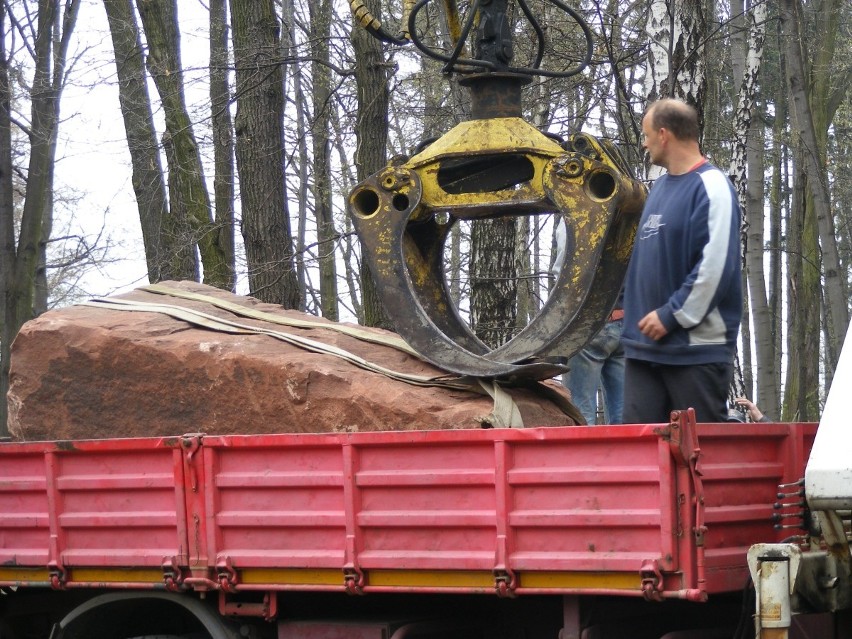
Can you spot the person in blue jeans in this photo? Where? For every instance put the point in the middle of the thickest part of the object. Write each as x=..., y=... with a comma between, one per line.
x=601, y=362
x=599, y=365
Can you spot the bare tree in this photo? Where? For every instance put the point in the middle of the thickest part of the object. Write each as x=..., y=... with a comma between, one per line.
x=52, y=28
x=320, y=13
x=371, y=130
x=812, y=106
x=260, y=154
x=147, y=172
x=223, y=137
x=188, y=195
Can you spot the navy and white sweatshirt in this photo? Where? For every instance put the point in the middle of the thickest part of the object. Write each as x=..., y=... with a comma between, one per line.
x=686, y=266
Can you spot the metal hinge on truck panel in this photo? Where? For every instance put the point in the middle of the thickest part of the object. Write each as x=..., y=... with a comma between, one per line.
x=353, y=580
x=505, y=580
x=58, y=575
x=226, y=575
x=652, y=580
x=172, y=574
x=505, y=583
x=353, y=576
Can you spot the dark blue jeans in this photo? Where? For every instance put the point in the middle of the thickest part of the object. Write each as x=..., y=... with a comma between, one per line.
x=599, y=365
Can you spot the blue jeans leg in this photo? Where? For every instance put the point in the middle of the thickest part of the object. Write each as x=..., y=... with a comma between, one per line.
x=582, y=380
x=612, y=380
x=599, y=364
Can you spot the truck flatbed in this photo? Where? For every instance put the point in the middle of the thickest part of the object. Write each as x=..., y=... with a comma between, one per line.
x=664, y=511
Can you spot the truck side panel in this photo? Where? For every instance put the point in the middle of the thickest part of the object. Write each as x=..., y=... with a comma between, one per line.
x=613, y=510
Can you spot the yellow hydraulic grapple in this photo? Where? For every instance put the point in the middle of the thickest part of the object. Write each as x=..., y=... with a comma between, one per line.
x=495, y=164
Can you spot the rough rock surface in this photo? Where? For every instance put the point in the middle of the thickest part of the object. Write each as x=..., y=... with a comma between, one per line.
x=84, y=372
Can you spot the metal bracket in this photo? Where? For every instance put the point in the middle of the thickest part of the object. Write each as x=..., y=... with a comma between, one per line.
x=652, y=580
x=226, y=574
x=505, y=583
x=58, y=575
x=353, y=580
x=268, y=608
x=686, y=451
x=683, y=441
x=172, y=574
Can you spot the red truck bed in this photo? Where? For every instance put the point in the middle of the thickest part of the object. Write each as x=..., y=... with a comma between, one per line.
x=659, y=510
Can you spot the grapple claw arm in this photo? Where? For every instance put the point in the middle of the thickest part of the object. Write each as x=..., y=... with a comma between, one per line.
x=382, y=208
x=394, y=213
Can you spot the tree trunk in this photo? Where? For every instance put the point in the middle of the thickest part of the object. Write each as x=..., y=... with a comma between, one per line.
x=260, y=153
x=493, y=280
x=747, y=171
x=371, y=132
x=676, y=29
x=350, y=301
x=8, y=327
x=768, y=393
x=811, y=114
x=801, y=394
x=190, y=201
x=147, y=171
x=526, y=280
x=289, y=51
x=779, y=163
x=320, y=13
x=21, y=262
x=223, y=138
x=183, y=261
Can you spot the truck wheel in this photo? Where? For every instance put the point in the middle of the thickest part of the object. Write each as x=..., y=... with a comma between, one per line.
x=129, y=615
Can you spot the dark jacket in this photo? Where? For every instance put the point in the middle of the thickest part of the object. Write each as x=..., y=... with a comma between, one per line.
x=686, y=266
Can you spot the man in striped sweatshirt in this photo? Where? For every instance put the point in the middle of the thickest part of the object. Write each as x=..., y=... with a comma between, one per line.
x=682, y=295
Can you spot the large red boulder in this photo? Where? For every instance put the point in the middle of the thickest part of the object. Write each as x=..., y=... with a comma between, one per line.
x=96, y=372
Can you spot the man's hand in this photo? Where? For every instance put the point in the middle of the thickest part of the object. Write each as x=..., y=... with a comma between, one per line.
x=652, y=327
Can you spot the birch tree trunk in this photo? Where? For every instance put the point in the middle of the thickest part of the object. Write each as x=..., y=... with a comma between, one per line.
x=676, y=29
x=747, y=174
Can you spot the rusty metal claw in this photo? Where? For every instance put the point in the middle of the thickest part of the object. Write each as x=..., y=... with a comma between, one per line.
x=394, y=213
x=404, y=257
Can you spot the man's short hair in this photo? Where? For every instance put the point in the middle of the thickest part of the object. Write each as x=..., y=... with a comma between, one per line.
x=677, y=116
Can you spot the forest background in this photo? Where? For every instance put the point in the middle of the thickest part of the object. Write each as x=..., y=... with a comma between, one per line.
x=245, y=130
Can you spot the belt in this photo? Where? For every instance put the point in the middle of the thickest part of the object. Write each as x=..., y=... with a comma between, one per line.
x=616, y=315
